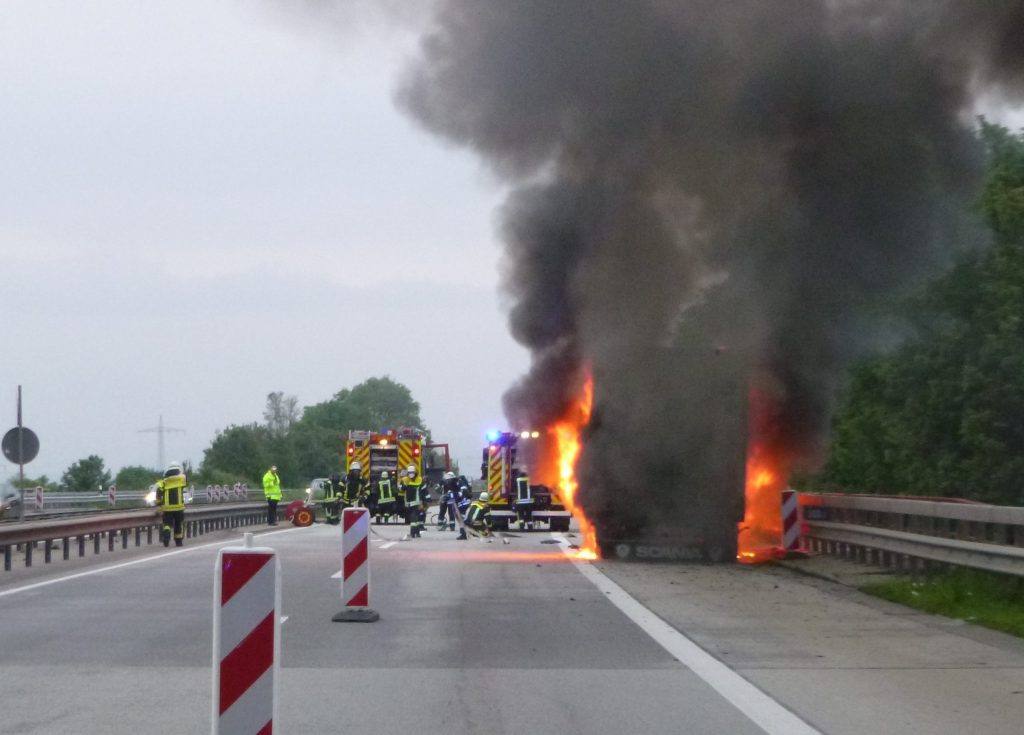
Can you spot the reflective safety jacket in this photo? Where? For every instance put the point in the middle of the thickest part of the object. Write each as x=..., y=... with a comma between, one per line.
x=271, y=486
x=385, y=492
x=412, y=490
x=523, y=494
x=355, y=488
x=332, y=489
x=170, y=493
x=478, y=514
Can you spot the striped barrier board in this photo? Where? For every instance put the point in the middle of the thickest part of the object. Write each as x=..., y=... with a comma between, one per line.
x=112, y=495
x=790, y=520
x=355, y=567
x=39, y=497
x=246, y=640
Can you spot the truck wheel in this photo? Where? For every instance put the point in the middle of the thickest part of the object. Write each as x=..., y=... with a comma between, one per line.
x=303, y=517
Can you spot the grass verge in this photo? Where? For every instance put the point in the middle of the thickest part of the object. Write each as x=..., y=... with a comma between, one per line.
x=992, y=600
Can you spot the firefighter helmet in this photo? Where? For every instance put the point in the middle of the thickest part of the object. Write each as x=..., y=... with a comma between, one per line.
x=173, y=470
x=523, y=470
x=355, y=466
x=384, y=475
x=411, y=470
x=448, y=476
x=484, y=497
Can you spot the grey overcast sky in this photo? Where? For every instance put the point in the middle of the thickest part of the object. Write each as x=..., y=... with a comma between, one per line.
x=202, y=202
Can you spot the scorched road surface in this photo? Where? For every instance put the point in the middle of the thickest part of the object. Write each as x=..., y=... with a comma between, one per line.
x=473, y=638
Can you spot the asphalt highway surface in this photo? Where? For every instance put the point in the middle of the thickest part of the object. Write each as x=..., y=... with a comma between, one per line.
x=473, y=638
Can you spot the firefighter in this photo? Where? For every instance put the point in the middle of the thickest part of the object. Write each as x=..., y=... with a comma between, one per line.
x=355, y=486
x=170, y=498
x=478, y=517
x=524, y=498
x=272, y=492
x=415, y=502
x=451, y=494
x=385, y=497
x=332, y=500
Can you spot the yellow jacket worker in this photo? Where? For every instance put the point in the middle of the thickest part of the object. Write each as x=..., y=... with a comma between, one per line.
x=272, y=492
x=170, y=498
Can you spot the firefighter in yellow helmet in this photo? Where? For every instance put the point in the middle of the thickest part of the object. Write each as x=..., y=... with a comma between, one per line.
x=170, y=499
x=415, y=501
x=272, y=492
x=478, y=517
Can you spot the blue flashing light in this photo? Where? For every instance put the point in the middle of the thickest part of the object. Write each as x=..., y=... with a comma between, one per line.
x=492, y=436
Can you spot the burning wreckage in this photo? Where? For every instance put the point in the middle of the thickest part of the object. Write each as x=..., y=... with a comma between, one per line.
x=707, y=202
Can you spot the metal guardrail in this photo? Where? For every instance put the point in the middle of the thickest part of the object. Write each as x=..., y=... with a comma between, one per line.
x=81, y=531
x=912, y=534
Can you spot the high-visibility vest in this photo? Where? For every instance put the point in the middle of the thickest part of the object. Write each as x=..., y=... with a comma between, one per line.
x=353, y=487
x=171, y=493
x=412, y=490
x=330, y=491
x=476, y=514
x=271, y=486
x=385, y=492
x=523, y=496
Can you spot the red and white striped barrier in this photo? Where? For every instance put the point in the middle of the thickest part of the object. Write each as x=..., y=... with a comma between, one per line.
x=355, y=567
x=790, y=521
x=112, y=495
x=246, y=640
x=209, y=493
x=39, y=497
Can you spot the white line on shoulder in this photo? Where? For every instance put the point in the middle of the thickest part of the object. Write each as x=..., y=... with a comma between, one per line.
x=761, y=709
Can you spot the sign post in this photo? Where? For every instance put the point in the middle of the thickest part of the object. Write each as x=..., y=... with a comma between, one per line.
x=20, y=445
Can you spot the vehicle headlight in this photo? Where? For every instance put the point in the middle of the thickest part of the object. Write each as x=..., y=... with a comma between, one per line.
x=150, y=497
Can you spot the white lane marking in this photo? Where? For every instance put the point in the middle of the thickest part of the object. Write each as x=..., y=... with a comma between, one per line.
x=336, y=575
x=284, y=619
x=761, y=709
x=133, y=562
x=388, y=545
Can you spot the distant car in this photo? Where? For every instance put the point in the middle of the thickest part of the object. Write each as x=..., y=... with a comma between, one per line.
x=9, y=499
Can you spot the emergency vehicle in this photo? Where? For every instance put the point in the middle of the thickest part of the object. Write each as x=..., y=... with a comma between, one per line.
x=392, y=451
x=506, y=452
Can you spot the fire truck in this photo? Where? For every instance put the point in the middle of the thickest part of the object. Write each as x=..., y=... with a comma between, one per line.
x=507, y=451
x=392, y=451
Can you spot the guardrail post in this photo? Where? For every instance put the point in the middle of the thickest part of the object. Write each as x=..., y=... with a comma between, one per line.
x=149, y=534
x=7, y=558
x=96, y=543
x=110, y=540
x=138, y=536
x=47, y=551
x=65, y=544
x=28, y=553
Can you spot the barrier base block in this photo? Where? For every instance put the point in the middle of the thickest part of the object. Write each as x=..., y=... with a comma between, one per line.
x=356, y=615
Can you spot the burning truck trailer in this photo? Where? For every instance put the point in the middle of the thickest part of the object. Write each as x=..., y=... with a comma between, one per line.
x=662, y=475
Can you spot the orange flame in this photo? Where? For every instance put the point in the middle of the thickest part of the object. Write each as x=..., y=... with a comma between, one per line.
x=760, y=533
x=566, y=432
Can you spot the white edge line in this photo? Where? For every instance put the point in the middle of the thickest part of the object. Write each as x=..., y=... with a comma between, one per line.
x=759, y=707
x=336, y=575
x=133, y=562
x=284, y=618
x=388, y=545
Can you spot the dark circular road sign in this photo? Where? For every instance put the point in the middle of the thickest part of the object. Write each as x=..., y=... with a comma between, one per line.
x=24, y=451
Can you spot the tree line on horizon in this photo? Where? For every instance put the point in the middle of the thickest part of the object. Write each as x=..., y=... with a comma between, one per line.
x=304, y=443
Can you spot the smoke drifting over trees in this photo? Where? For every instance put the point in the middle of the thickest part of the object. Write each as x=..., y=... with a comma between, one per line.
x=706, y=194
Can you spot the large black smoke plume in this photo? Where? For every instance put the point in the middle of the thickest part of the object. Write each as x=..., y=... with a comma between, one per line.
x=707, y=193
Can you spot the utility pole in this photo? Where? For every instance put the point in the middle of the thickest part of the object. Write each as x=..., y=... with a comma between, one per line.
x=160, y=430
x=21, y=462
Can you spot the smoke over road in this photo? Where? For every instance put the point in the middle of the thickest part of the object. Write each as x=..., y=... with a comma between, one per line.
x=706, y=194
